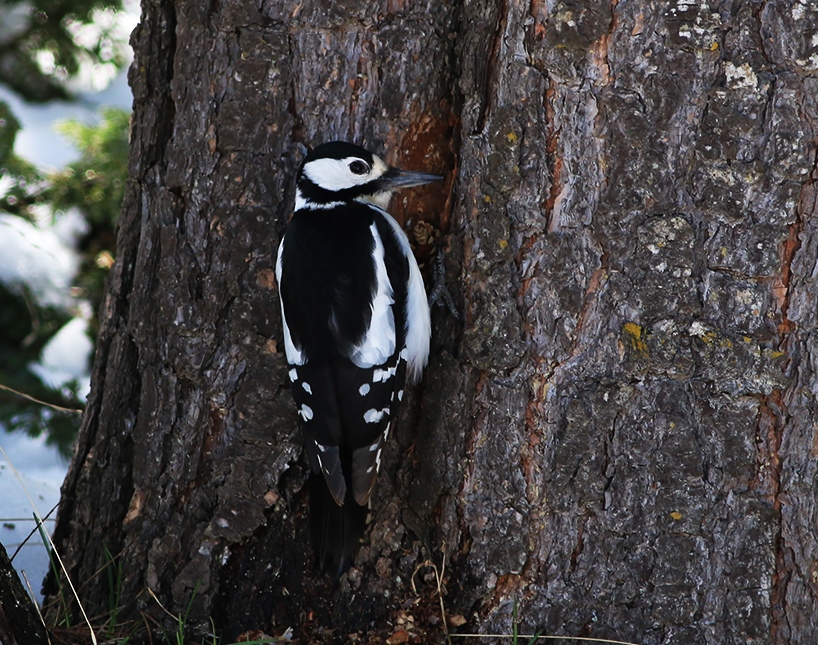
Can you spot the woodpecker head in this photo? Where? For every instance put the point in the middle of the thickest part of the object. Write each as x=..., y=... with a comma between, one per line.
x=338, y=172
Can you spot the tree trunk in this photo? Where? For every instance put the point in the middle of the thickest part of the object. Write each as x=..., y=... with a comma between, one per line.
x=19, y=622
x=619, y=435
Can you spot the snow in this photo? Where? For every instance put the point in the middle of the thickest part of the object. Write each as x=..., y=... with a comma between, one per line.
x=37, y=141
x=66, y=357
x=38, y=460
x=41, y=257
x=38, y=259
x=41, y=473
x=14, y=20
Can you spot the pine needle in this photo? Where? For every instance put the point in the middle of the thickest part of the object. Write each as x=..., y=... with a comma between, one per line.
x=36, y=607
x=38, y=402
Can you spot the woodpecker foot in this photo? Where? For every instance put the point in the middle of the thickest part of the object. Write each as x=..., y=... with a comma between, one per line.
x=440, y=295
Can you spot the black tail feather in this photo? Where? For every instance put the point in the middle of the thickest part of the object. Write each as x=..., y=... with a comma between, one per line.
x=336, y=530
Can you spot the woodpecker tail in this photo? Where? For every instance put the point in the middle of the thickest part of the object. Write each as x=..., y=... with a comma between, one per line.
x=336, y=530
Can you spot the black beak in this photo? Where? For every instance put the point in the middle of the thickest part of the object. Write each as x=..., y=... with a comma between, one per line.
x=393, y=179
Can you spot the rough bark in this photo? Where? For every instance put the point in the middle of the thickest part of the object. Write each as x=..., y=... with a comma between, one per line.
x=620, y=435
x=19, y=622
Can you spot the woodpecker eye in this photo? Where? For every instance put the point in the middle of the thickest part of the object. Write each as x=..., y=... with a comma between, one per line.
x=359, y=168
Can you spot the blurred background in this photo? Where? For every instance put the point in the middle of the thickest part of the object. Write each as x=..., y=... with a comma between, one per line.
x=64, y=113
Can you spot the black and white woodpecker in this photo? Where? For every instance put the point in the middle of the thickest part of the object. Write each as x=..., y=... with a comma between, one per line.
x=356, y=326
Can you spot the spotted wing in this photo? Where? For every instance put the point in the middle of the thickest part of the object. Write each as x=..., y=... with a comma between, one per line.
x=368, y=400
x=313, y=389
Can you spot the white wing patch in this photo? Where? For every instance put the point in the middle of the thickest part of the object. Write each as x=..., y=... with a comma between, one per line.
x=418, y=323
x=379, y=342
x=373, y=416
x=278, y=262
x=294, y=355
x=382, y=376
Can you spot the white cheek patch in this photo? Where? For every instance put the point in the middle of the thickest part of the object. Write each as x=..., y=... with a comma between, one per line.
x=334, y=174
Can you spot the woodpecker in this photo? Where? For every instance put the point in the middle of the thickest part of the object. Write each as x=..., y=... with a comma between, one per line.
x=356, y=328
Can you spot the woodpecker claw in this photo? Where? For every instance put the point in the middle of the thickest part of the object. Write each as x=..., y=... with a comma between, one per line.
x=440, y=295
